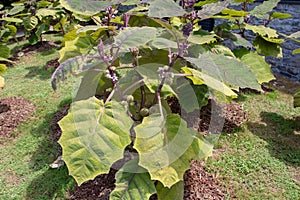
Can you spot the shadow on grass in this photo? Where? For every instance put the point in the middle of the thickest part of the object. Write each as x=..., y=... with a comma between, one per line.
x=40, y=72
x=52, y=183
x=282, y=135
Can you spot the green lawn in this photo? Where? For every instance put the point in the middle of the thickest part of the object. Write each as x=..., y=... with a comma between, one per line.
x=24, y=161
x=260, y=161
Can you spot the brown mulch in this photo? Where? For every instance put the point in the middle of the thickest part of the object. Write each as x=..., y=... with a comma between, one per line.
x=39, y=47
x=198, y=183
x=52, y=63
x=13, y=111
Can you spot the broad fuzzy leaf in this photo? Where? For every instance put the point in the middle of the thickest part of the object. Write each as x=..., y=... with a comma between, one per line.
x=240, y=41
x=258, y=66
x=163, y=43
x=94, y=136
x=132, y=182
x=165, y=8
x=261, y=10
x=296, y=51
x=200, y=78
x=166, y=146
x=262, y=30
x=11, y=19
x=87, y=7
x=191, y=96
x=202, y=39
x=30, y=22
x=226, y=69
x=4, y=51
x=211, y=9
x=273, y=40
x=295, y=35
x=280, y=15
x=3, y=69
x=16, y=9
x=134, y=37
x=234, y=13
x=173, y=193
x=267, y=48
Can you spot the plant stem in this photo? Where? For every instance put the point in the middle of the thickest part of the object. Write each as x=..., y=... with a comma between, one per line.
x=158, y=91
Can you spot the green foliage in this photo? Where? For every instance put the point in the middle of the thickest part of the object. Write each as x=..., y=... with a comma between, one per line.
x=101, y=140
x=256, y=64
x=137, y=56
x=261, y=11
x=36, y=18
x=297, y=99
x=133, y=182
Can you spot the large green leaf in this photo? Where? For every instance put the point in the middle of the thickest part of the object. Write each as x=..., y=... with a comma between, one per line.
x=235, y=13
x=94, y=136
x=261, y=11
x=166, y=146
x=87, y=7
x=240, y=41
x=134, y=37
x=211, y=9
x=258, y=66
x=296, y=51
x=4, y=51
x=12, y=19
x=262, y=30
x=200, y=78
x=163, y=43
x=267, y=48
x=76, y=47
x=165, y=8
x=173, y=193
x=297, y=99
x=280, y=15
x=3, y=69
x=226, y=69
x=202, y=39
x=132, y=183
x=191, y=96
x=295, y=35
x=30, y=22
x=16, y=9
x=45, y=12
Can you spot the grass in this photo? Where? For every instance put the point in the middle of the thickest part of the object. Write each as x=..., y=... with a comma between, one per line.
x=24, y=160
x=260, y=161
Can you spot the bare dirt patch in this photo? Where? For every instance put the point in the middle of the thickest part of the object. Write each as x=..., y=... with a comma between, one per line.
x=13, y=111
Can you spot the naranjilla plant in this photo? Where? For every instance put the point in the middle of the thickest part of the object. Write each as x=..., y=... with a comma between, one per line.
x=139, y=56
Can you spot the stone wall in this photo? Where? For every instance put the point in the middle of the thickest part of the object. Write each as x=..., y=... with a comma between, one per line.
x=289, y=65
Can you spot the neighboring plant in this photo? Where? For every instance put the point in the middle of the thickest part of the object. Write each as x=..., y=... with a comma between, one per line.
x=149, y=56
x=32, y=19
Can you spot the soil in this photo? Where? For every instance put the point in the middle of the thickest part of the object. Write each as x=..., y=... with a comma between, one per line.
x=39, y=47
x=198, y=183
x=52, y=63
x=13, y=111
